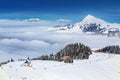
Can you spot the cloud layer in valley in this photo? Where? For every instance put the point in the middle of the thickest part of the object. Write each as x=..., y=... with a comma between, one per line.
x=34, y=40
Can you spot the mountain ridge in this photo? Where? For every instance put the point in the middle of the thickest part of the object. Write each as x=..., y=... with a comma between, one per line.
x=89, y=24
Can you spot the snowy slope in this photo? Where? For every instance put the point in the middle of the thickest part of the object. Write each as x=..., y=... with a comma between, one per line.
x=3, y=75
x=100, y=66
x=88, y=24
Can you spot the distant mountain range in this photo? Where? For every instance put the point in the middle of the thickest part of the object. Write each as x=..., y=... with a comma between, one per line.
x=89, y=24
x=32, y=20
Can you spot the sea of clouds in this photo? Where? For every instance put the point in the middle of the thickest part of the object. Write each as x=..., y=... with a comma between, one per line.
x=20, y=39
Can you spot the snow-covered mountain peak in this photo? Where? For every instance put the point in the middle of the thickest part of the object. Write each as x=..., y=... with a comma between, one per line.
x=89, y=24
x=91, y=19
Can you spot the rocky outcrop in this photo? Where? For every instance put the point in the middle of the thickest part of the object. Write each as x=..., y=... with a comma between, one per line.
x=75, y=51
x=3, y=63
x=43, y=57
x=113, y=32
x=115, y=49
x=66, y=59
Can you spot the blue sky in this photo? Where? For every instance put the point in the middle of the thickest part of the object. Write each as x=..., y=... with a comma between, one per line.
x=108, y=10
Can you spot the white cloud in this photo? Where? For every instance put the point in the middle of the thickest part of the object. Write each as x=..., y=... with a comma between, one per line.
x=25, y=23
x=63, y=20
x=22, y=39
x=33, y=44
